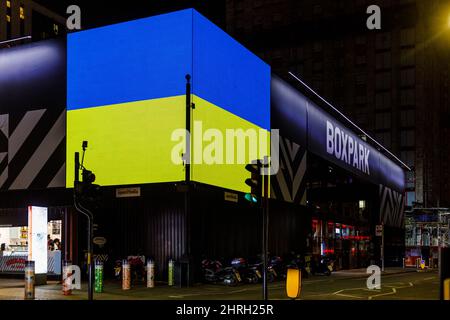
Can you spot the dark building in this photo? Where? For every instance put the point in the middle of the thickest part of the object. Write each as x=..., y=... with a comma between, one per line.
x=21, y=18
x=393, y=82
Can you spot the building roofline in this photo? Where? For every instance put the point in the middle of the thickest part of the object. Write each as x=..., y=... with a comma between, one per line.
x=376, y=144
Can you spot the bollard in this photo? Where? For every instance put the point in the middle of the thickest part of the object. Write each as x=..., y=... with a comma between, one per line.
x=98, y=276
x=171, y=272
x=29, y=280
x=67, y=278
x=150, y=273
x=293, y=283
x=126, y=275
x=447, y=289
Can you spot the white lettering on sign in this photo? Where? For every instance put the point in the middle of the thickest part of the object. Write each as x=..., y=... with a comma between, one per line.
x=347, y=149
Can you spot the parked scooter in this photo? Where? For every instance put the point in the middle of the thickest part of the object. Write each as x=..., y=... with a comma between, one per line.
x=257, y=267
x=247, y=274
x=214, y=272
x=298, y=262
x=323, y=266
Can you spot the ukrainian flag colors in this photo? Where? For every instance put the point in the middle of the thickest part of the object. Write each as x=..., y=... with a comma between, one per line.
x=126, y=96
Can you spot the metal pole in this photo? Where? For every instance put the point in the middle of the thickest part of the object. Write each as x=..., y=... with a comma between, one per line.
x=89, y=216
x=188, y=128
x=265, y=213
x=382, y=247
x=187, y=195
x=77, y=167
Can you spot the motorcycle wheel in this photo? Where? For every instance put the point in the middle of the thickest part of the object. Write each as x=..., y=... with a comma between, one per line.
x=231, y=281
x=270, y=277
x=328, y=273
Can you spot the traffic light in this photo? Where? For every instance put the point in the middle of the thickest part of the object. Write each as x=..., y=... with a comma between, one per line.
x=255, y=182
x=86, y=190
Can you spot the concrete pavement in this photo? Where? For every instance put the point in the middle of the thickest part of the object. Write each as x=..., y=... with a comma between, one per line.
x=396, y=284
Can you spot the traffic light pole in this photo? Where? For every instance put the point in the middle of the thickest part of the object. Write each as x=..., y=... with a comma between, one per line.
x=90, y=218
x=265, y=232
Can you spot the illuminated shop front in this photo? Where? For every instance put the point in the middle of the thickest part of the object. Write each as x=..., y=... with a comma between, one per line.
x=427, y=230
x=44, y=245
x=342, y=243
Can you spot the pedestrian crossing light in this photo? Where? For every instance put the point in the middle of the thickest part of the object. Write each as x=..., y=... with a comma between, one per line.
x=254, y=182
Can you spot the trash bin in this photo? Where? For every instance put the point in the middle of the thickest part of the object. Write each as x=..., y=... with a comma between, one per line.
x=184, y=272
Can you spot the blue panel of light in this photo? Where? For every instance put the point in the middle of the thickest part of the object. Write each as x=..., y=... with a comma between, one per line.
x=228, y=75
x=131, y=61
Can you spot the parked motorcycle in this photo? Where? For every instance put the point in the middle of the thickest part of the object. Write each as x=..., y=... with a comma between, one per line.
x=323, y=266
x=215, y=272
x=137, y=269
x=247, y=274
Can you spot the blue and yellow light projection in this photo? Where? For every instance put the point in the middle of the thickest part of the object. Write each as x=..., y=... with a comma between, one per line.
x=126, y=96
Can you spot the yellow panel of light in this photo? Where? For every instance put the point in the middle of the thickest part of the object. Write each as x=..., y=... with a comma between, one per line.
x=208, y=116
x=129, y=143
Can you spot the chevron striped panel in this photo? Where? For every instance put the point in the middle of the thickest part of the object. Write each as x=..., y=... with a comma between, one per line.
x=32, y=149
x=392, y=207
x=289, y=184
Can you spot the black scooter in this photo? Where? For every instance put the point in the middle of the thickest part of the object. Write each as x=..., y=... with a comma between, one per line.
x=324, y=266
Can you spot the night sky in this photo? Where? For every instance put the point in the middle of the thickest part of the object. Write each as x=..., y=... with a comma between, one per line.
x=99, y=13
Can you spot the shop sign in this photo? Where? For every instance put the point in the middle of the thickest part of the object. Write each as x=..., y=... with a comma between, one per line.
x=232, y=197
x=128, y=192
x=99, y=241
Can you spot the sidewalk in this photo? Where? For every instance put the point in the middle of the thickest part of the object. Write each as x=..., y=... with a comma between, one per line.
x=13, y=289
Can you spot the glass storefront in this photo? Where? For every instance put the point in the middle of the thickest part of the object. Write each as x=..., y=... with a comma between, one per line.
x=14, y=248
x=346, y=244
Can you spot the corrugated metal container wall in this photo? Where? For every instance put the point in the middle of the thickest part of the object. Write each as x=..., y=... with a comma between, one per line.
x=153, y=224
x=223, y=229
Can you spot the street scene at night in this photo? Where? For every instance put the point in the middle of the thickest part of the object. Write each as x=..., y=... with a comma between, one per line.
x=228, y=150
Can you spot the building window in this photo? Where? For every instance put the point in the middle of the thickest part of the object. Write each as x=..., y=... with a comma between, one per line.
x=408, y=77
x=317, y=66
x=407, y=118
x=407, y=138
x=410, y=198
x=407, y=97
x=383, y=100
x=383, y=81
x=384, y=138
x=383, y=121
x=383, y=60
x=407, y=57
x=383, y=41
x=408, y=158
x=408, y=37
x=8, y=4
x=317, y=9
x=22, y=13
x=361, y=59
x=410, y=179
x=361, y=40
x=317, y=47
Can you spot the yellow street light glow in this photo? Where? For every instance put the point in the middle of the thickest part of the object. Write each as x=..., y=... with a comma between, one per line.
x=448, y=21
